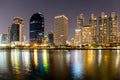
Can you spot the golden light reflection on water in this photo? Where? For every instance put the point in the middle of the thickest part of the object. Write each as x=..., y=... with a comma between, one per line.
x=90, y=56
x=27, y=60
x=15, y=60
x=118, y=58
x=73, y=64
x=36, y=58
x=99, y=57
x=45, y=57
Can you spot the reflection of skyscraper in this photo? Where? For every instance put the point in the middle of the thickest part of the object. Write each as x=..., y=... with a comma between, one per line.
x=36, y=28
x=3, y=61
x=35, y=58
x=16, y=60
x=61, y=30
x=16, y=31
x=103, y=32
x=113, y=27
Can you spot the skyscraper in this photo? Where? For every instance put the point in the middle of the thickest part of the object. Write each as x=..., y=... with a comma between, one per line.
x=103, y=28
x=80, y=21
x=118, y=37
x=3, y=39
x=93, y=23
x=78, y=37
x=86, y=34
x=113, y=27
x=15, y=31
x=61, y=30
x=9, y=28
x=37, y=28
x=80, y=24
x=51, y=38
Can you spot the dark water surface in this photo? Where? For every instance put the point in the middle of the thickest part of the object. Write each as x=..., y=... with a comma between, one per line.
x=16, y=64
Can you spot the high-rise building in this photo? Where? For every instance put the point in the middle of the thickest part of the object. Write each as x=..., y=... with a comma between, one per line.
x=15, y=31
x=37, y=28
x=103, y=28
x=80, y=21
x=80, y=24
x=51, y=38
x=87, y=34
x=9, y=28
x=3, y=39
x=113, y=27
x=118, y=37
x=78, y=37
x=93, y=23
x=61, y=30
x=72, y=42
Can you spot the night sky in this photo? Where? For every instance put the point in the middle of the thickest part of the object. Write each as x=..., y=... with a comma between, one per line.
x=50, y=8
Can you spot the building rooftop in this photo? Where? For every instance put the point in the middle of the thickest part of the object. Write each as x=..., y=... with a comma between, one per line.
x=61, y=16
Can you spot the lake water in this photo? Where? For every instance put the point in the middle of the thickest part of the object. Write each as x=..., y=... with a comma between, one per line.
x=16, y=64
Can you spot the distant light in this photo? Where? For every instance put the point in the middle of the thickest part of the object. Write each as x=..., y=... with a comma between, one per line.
x=77, y=30
x=40, y=34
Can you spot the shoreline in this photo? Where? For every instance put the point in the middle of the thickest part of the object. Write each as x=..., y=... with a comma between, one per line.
x=108, y=48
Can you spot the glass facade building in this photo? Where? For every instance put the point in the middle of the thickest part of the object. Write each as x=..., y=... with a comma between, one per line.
x=37, y=28
x=3, y=39
x=51, y=38
x=14, y=32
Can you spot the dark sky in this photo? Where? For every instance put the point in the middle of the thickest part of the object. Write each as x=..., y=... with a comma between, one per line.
x=50, y=8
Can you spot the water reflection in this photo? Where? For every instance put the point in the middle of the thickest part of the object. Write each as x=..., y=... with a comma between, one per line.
x=99, y=57
x=45, y=59
x=3, y=62
x=117, y=59
x=77, y=64
x=36, y=58
x=15, y=60
x=26, y=60
x=16, y=64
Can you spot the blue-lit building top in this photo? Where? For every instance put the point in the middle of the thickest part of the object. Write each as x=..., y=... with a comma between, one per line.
x=37, y=28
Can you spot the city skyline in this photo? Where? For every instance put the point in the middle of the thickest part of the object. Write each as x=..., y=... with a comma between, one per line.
x=71, y=9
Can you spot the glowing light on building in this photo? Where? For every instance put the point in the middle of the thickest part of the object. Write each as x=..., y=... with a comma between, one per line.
x=61, y=30
x=78, y=37
x=87, y=34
